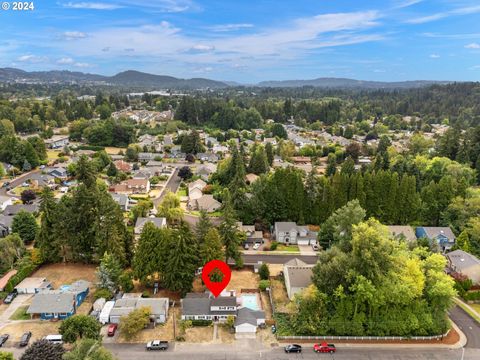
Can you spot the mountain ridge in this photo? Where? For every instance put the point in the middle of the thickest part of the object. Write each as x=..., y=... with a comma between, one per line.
x=136, y=78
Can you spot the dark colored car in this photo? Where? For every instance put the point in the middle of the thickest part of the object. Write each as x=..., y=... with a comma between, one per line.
x=293, y=348
x=3, y=339
x=111, y=329
x=10, y=297
x=157, y=345
x=25, y=338
x=324, y=348
x=5, y=184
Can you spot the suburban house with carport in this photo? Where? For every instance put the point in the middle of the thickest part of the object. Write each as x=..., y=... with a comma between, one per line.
x=61, y=303
x=442, y=236
x=130, y=302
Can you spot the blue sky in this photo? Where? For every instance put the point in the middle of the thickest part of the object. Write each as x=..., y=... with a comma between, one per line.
x=249, y=41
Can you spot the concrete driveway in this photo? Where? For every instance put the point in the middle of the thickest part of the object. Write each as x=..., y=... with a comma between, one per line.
x=19, y=301
x=306, y=250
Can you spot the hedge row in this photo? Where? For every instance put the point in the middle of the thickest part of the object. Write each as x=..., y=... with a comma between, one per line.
x=201, y=322
x=472, y=295
x=22, y=273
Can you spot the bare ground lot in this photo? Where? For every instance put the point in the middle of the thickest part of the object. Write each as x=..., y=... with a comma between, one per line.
x=279, y=294
x=38, y=328
x=241, y=279
x=225, y=336
x=201, y=334
x=62, y=274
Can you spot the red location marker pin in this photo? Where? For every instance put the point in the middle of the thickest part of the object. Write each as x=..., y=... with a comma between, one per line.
x=216, y=287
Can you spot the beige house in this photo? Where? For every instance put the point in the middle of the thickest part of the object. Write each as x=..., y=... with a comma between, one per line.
x=297, y=275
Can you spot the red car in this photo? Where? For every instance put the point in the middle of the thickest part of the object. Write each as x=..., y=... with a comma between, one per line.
x=111, y=329
x=324, y=348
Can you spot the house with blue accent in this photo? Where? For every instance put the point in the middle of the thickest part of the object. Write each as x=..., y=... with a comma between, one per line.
x=442, y=235
x=59, y=304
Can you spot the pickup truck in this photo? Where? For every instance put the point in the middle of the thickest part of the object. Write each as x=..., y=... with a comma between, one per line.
x=157, y=345
x=324, y=348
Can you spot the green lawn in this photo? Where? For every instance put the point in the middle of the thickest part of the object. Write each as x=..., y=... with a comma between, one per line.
x=19, y=189
x=476, y=307
x=182, y=192
x=20, y=314
x=213, y=214
x=289, y=248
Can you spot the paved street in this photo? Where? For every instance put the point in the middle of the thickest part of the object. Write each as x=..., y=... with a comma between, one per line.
x=224, y=352
x=173, y=184
x=18, y=181
x=470, y=327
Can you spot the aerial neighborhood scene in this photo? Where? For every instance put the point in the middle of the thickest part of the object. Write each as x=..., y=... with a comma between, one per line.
x=169, y=190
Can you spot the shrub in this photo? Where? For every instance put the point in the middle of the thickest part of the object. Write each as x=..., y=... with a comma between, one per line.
x=472, y=295
x=273, y=245
x=131, y=324
x=264, y=272
x=201, y=322
x=102, y=293
x=264, y=284
x=145, y=294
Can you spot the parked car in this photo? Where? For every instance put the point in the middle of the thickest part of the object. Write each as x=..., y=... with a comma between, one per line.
x=10, y=297
x=112, y=328
x=5, y=184
x=293, y=348
x=3, y=339
x=25, y=338
x=315, y=247
x=157, y=345
x=324, y=348
x=256, y=246
x=54, y=339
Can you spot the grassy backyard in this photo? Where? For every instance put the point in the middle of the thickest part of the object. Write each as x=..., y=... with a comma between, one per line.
x=182, y=192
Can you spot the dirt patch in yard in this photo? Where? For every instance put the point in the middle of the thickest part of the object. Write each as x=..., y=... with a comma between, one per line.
x=225, y=336
x=279, y=294
x=275, y=269
x=39, y=330
x=266, y=305
x=243, y=279
x=3, y=307
x=114, y=150
x=199, y=334
x=63, y=274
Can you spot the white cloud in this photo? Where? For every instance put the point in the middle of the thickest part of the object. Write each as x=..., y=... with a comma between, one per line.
x=230, y=27
x=74, y=35
x=91, y=5
x=406, y=3
x=203, y=70
x=441, y=15
x=65, y=61
x=82, y=65
x=169, y=6
x=32, y=59
x=203, y=48
x=165, y=42
x=434, y=56
x=472, y=46
x=475, y=67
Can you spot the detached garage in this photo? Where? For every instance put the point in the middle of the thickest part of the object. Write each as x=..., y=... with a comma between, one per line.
x=32, y=285
x=247, y=322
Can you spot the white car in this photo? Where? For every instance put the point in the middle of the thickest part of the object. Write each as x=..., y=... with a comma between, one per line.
x=256, y=246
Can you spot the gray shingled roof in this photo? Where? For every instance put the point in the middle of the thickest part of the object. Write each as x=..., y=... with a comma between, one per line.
x=434, y=231
x=405, y=230
x=224, y=301
x=52, y=302
x=248, y=316
x=195, y=306
x=285, y=226
x=300, y=277
x=462, y=260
